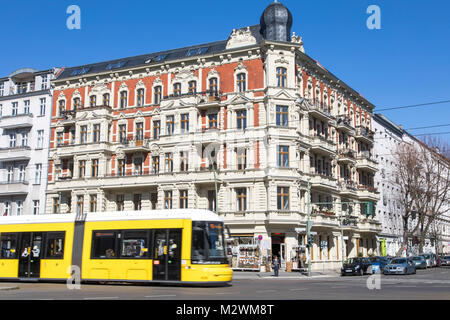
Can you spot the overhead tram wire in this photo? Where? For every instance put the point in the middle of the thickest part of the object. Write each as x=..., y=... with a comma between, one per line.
x=413, y=105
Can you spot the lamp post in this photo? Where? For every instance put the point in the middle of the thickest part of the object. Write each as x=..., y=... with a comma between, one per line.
x=308, y=226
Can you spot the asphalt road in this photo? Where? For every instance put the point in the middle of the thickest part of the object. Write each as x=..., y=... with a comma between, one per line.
x=426, y=284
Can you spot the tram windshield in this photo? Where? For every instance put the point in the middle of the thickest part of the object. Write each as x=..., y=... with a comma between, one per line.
x=208, y=243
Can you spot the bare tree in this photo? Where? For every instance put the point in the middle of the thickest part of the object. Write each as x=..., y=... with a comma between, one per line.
x=435, y=198
x=423, y=177
x=407, y=164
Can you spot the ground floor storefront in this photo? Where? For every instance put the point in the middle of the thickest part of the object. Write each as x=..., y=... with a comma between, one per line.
x=254, y=248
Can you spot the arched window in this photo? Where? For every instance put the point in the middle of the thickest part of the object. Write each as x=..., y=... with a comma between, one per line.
x=281, y=77
x=241, y=82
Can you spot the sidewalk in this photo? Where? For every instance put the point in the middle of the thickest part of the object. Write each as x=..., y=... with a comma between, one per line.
x=282, y=275
x=8, y=287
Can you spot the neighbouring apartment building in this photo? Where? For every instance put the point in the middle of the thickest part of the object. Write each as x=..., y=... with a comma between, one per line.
x=25, y=112
x=390, y=210
x=252, y=116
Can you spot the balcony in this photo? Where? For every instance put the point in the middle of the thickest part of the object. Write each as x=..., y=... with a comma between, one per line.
x=69, y=149
x=319, y=110
x=364, y=134
x=365, y=162
x=343, y=123
x=346, y=156
x=136, y=144
x=15, y=154
x=205, y=98
x=24, y=120
x=13, y=187
x=323, y=216
x=347, y=188
x=322, y=145
x=324, y=182
x=367, y=193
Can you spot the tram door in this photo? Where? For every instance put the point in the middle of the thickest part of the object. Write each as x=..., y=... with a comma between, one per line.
x=167, y=255
x=30, y=255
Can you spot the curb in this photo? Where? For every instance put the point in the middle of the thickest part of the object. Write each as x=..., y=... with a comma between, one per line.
x=8, y=288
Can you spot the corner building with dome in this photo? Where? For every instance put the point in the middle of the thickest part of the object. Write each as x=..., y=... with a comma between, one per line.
x=252, y=116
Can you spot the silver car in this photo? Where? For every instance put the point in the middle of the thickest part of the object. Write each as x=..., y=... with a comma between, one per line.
x=428, y=259
x=400, y=266
x=419, y=262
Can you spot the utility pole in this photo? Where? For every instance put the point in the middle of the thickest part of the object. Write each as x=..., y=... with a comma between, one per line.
x=211, y=168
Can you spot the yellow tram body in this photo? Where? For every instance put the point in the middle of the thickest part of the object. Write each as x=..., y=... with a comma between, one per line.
x=146, y=246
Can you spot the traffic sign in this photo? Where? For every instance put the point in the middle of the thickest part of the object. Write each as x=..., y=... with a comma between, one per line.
x=260, y=237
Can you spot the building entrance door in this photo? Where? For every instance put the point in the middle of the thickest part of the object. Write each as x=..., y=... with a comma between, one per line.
x=279, y=248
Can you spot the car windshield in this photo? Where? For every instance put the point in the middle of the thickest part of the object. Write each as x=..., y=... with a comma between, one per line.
x=398, y=261
x=352, y=260
x=447, y=258
x=374, y=259
x=416, y=258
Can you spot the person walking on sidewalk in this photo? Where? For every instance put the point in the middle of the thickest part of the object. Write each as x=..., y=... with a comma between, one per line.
x=276, y=265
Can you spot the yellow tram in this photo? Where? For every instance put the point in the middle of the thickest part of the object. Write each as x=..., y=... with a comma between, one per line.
x=166, y=246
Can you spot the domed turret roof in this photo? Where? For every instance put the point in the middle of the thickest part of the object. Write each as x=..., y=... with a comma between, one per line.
x=276, y=22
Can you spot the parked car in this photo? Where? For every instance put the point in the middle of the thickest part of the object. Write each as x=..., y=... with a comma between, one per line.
x=400, y=266
x=445, y=261
x=378, y=263
x=357, y=266
x=427, y=257
x=420, y=262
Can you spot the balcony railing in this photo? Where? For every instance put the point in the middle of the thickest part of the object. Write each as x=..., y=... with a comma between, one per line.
x=320, y=106
x=363, y=132
x=209, y=95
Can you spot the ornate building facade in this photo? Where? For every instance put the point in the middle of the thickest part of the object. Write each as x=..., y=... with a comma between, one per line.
x=249, y=127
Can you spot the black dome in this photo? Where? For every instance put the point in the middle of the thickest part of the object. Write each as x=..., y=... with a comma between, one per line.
x=276, y=23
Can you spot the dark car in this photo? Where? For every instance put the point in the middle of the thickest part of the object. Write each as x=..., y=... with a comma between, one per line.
x=378, y=264
x=357, y=266
x=445, y=261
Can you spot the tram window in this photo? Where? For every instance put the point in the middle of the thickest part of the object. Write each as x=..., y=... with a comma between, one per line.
x=104, y=245
x=208, y=242
x=8, y=245
x=135, y=244
x=55, y=245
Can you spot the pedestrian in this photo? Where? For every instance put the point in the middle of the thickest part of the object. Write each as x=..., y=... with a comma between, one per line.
x=276, y=265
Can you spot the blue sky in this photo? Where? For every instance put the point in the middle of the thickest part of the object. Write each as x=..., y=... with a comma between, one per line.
x=404, y=63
